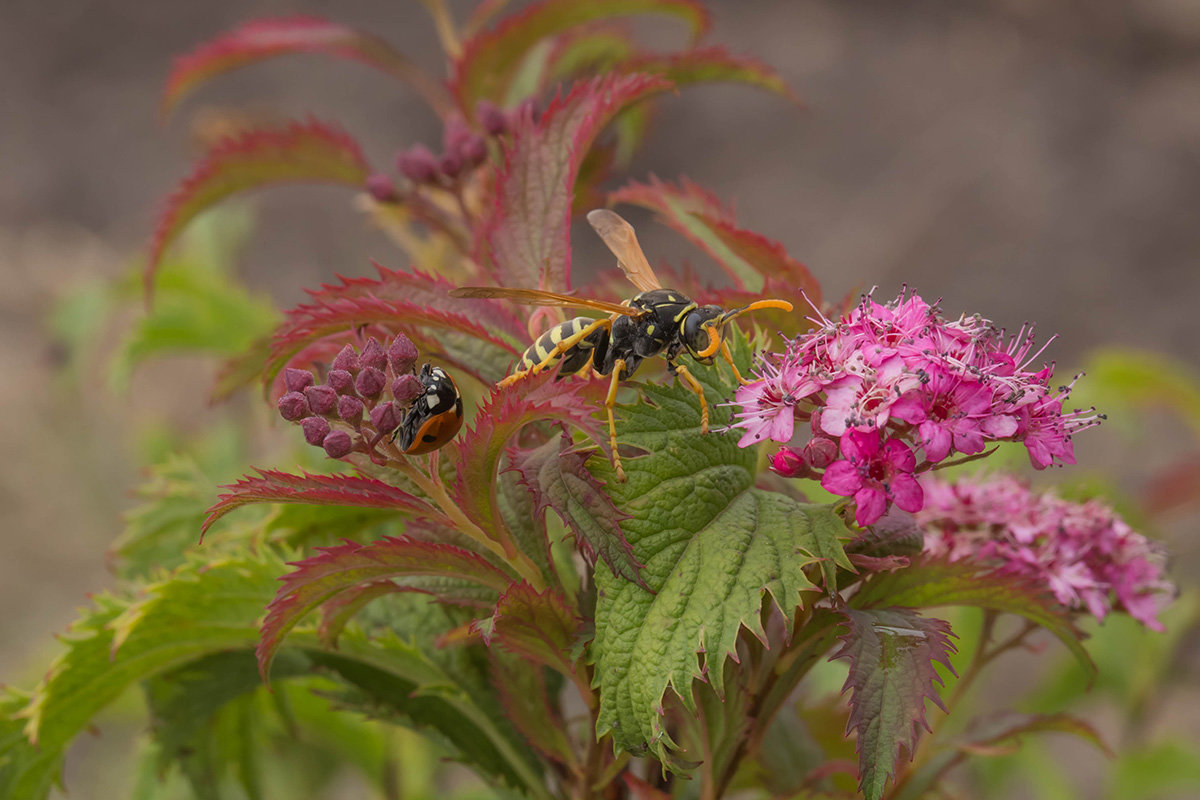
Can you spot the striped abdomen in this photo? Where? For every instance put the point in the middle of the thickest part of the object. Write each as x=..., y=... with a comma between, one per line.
x=576, y=357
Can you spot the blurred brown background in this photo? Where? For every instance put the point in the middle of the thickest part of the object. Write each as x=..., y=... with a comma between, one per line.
x=1027, y=160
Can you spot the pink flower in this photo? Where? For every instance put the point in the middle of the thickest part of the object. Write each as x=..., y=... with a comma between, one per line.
x=901, y=370
x=1085, y=554
x=874, y=473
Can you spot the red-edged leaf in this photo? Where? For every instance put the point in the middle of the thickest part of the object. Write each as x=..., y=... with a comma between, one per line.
x=337, y=612
x=747, y=257
x=539, y=627
x=349, y=566
x=891, y=653
x=423, y=288
x=310, y=152
x=272, y=486
x=522, y=692
x=491, y=58
x=929, y=584
x=312, y=331
x=557, y=478
x=261, y=39
x=527, y=237
x=711, y=65
x=479, y=450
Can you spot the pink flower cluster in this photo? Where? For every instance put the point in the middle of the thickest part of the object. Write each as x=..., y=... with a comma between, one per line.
x=1083, y=552
x=888, y=382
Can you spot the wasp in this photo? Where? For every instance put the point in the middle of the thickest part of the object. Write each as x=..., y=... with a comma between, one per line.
x=434, y=417
x=656, y=321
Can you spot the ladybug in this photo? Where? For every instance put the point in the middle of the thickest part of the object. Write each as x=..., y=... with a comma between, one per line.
x=434, y=417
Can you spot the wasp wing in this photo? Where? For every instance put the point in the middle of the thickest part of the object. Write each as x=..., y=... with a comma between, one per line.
x=536, y=297
x=620, y=238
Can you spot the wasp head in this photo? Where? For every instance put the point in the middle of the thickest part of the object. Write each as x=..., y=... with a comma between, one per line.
x=701, y=331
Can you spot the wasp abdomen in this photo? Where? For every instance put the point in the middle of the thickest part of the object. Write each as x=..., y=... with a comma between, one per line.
x=575, y=357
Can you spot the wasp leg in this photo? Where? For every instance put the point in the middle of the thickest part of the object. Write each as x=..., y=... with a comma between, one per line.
x=609, y=402
x=728, y=356
x=695, y=386
x=558, y=350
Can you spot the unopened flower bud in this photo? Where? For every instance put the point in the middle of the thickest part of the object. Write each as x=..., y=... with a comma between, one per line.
x=402, y=354
x=385, y=418
x=815, y=422
x=321, y=399
x=473, y=151
x=820, y=452
x=491, y=118
x=418, y=164
x=407, y=388
x=347, y=359
x=341, y=380
x=292, y=406
x=372, y=355
x=370, y=382
x=450, y=164
x=454, y=134
x=350, y=409
x=315, y=429
x=337, y=444
x=380, y=187
x=297, y=379
x=789, y=463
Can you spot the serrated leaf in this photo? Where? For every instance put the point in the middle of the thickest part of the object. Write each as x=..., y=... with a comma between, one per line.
x=712, y=546
x=313, y=333
x=490, y=59
x=261, y=39
x=527, y=237
x=538, y=626
x=891, y=653
x=929, y=584
x=121, y=641
x=711, y=65
x=311, y=151
x=747, y=257
x=478, y=452
x=273, y=486
x=557, y=478
x=347, y=567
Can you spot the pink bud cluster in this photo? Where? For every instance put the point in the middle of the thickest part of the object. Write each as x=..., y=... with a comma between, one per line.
x=463, y=149
x=890, y=382
x=1083, y=552
x=363, y=399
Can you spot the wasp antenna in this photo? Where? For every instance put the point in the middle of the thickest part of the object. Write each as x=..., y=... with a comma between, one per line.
x=782, y=305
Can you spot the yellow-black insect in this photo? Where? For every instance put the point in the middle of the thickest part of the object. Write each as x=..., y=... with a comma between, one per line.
x=657, y=321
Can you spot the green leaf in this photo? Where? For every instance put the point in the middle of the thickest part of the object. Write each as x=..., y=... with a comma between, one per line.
x=527, y=705
x=199, y=308
x=121, y=641
x=711, y=65
x=930, y=584
x=891, y=653
x=712, y=547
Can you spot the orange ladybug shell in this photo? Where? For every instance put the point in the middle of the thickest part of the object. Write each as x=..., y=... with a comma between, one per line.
x=435, y=417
